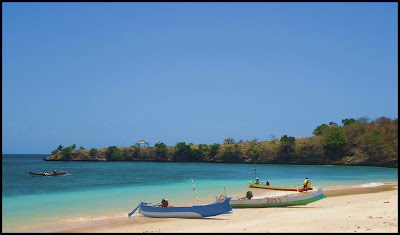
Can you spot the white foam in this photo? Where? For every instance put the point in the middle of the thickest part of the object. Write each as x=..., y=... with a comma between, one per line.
x=368, y=185
x=85, y=219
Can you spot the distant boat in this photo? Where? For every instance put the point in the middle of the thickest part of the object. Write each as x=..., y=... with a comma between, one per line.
x=220, y=206
x=279, y=201
x=263, y=186
x=49, y=174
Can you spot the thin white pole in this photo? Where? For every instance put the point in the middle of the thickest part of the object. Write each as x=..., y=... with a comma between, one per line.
x=194, y=188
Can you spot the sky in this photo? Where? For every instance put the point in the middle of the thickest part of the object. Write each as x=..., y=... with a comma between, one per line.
x=111, y=74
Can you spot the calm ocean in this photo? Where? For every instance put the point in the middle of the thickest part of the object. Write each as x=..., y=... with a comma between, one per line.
x=104, y=188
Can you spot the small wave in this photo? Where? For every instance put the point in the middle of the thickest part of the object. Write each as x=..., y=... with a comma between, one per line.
x=94, y=218
x=369, y=185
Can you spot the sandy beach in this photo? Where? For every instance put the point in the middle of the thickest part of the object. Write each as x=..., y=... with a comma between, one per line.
x=355, y=209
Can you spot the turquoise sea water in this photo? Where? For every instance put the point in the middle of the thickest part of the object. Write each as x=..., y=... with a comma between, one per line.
x=100, y=188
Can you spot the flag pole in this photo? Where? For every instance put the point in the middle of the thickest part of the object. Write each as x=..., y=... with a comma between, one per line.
x=194, y=188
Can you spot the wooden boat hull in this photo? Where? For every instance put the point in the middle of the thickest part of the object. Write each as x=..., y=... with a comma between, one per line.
x=262, y=186
x=49, y=174
x=295, y=200
x=213, y=209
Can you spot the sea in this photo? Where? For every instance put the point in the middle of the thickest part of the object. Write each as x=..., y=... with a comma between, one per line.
x=94, y=191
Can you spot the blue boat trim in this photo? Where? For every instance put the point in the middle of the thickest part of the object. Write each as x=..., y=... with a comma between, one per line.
x=213, y=209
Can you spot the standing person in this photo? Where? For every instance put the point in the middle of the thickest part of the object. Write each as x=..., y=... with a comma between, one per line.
x=267, y=183
x=257, y=181
x=305, y=183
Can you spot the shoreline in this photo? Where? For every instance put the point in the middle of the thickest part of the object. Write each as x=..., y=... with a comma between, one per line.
x=119, y=222
x=366, y=198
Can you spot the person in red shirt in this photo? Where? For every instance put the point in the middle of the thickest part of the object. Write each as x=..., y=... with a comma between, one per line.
x=164, y=203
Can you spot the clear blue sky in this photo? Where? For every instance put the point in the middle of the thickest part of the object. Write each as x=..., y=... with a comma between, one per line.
x=103, y=74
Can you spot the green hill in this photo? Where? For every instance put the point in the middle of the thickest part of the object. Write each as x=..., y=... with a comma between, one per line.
x=355, y=142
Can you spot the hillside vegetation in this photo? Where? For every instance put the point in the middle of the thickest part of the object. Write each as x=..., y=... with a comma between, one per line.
x=355, y=142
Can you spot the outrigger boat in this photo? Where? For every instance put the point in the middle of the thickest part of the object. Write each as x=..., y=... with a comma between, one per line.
x=295, y=188
x=49, y=174
x=220, y=206
x=163, y=210
x=280, y=201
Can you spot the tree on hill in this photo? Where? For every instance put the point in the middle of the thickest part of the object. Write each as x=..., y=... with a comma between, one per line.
x=255, y=153
x=229, y=141
x=383, y=121
x=114, y=154
x=373, y=141
x=81, y=148
x=288, y=139
x=73, y=147
x=93, y=152
x=273, y=138
x=60, y=147
x=66, y=151
x=203, y=152
x=161, y=150
x=347, y=121
x=286, y=147
x=231, y=154
x=334, y=139
x=182, y=152
x=320, y=129
x=214, y=150
x=363, y=120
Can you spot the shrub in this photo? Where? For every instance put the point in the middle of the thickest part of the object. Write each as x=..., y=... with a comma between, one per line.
x=60, y=147
x=334, y=139
x=320, y=129
x=231, y=154
x=229, y=141
x=214, y=150
x=161, y=150
x=288, y=139
x=255, y=153
x=182, y=152
x=347, y=121
x=93, y=152
x=200, y=153
x=286, y=147
x=114, y=154
x=67, y=151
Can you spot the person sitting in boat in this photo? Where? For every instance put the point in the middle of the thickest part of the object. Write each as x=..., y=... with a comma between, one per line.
x=54, y=171
x=267, y=183
x=257, y=181
x=305, y=183
x=164, y=203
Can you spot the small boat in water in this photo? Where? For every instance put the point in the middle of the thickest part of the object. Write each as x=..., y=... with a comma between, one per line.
x=295, y=188
x=49, y=174
x=220, y=206
x=279, y=201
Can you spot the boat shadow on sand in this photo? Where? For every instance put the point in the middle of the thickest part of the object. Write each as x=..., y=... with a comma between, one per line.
x=287, y=207
x=204, y=218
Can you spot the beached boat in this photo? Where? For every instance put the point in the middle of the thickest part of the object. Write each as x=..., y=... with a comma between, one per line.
x=295, y=188
x=220, y=206
x=279, y=201
x=49, y=174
